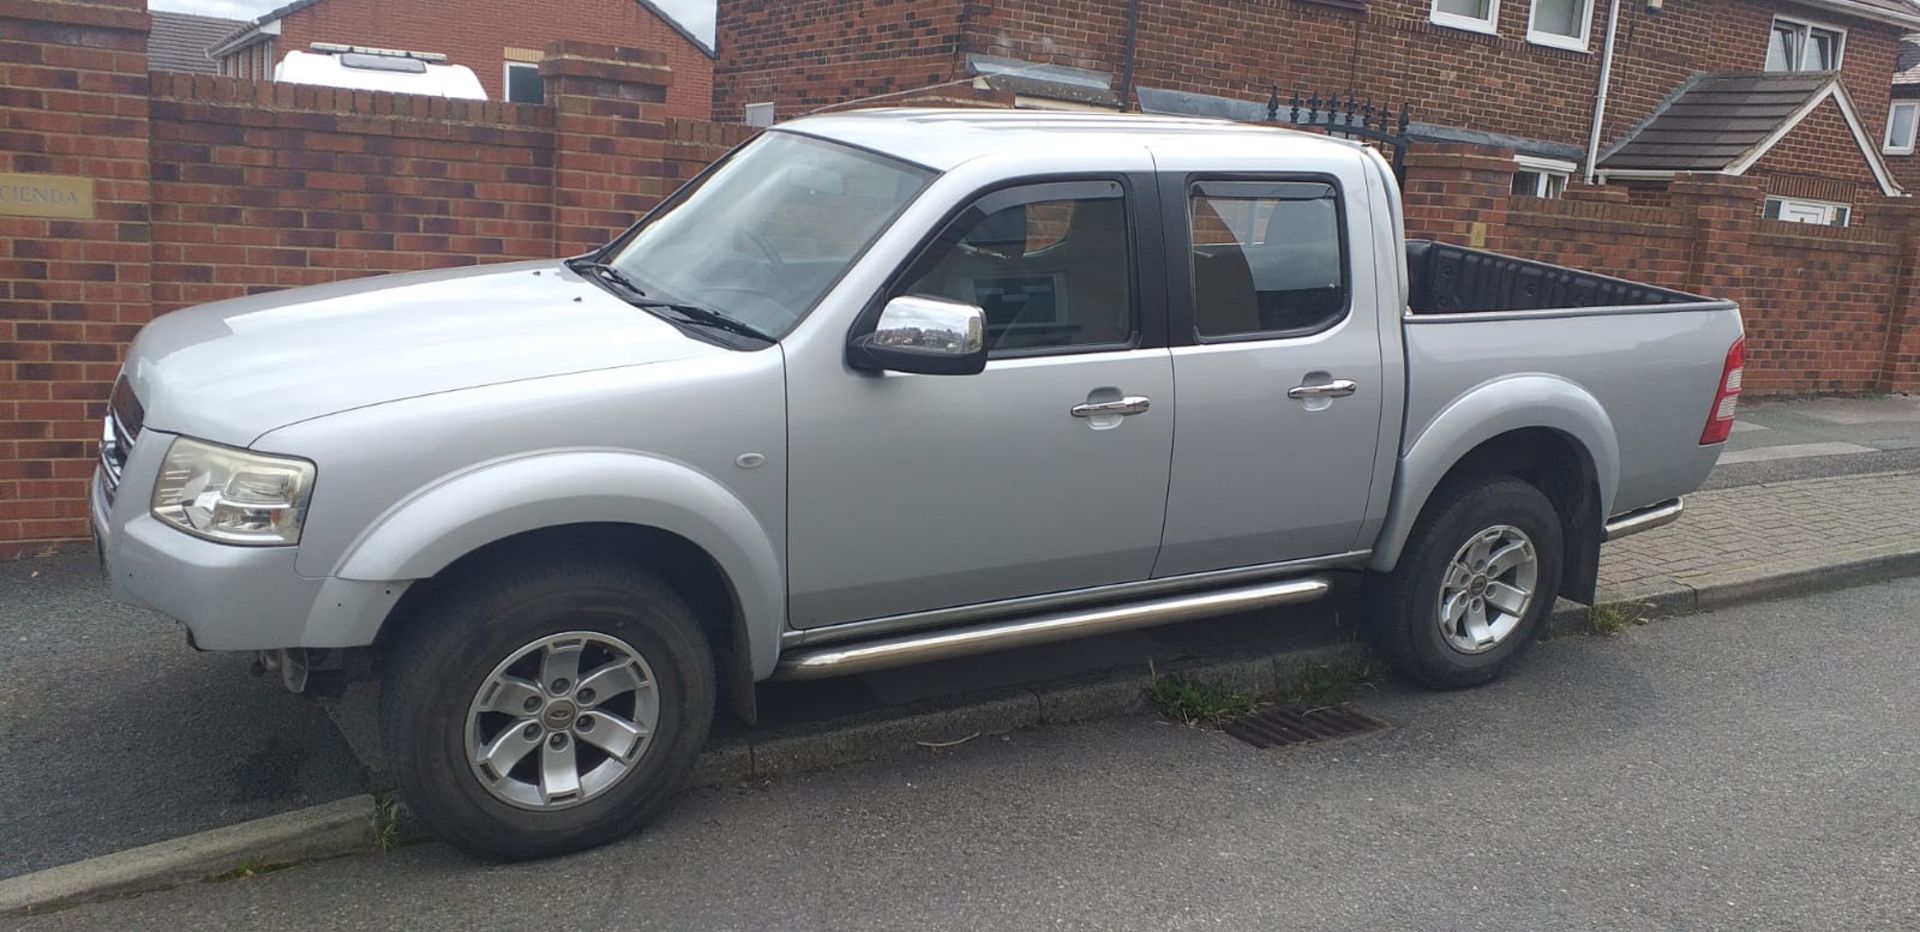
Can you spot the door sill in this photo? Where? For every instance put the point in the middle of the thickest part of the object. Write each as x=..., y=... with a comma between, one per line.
x=1073, y=598
x=811, y=663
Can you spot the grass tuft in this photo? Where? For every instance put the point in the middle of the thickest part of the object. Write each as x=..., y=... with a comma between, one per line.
x=1609, y=620
x=386, y=822
x=251, y=867
x=1324, y=683
x=1191, y=701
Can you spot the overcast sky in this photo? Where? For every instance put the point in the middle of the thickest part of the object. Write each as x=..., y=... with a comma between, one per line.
x=696, y=15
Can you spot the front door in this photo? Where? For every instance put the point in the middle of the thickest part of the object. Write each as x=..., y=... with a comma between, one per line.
x=917, y=492
x=1279, y=375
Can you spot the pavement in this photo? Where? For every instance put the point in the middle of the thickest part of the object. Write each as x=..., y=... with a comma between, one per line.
x=1801, y=438
x=153, y=741
x=1749, y=768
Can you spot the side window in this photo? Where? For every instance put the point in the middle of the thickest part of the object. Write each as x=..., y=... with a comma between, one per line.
x=1048, y=263
x=1268, y=258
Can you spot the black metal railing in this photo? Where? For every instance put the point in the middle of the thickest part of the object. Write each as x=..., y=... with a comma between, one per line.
x=1351, y=116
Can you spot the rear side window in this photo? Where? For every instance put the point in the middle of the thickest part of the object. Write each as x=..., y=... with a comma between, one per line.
x=1268, y=258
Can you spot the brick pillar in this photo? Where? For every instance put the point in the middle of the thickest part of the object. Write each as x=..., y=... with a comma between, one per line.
x=75, y=260
x=1900, y=361
x=609, y=138
x=1457, y=192
x=1722, y=211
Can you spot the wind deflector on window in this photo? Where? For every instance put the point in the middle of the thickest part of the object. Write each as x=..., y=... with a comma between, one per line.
x=1447, y=279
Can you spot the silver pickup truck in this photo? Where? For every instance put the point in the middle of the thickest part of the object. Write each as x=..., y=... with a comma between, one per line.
x=880, y=388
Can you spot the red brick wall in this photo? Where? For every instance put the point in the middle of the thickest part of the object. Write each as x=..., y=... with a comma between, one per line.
x=823, y=51
x=73, y=102
x=1818, y=311
x=476, y=33
x=1645, y=244
x=211, y=188
x=259, y=185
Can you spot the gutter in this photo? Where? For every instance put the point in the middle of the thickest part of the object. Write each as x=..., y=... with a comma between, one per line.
x=1600, y=93
x=1133, y=40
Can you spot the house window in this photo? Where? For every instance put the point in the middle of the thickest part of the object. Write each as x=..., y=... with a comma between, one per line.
x=1800, y=46
x=1537, y=177
x=524, y=85
x=1560, y=23
x=1902, y=119
x=1800, y=210
x=1475, y=15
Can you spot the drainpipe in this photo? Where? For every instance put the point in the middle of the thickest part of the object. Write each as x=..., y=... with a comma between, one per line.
x=1126, y=70
x=1600, y=95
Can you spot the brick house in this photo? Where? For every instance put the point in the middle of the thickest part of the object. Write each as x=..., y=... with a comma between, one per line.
x=500, y=41
x=1524, y=75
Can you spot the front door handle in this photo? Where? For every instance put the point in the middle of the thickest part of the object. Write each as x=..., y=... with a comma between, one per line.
x=1338, y=388
x=1130, y=405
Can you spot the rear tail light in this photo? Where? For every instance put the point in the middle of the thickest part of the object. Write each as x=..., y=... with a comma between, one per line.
x=1727, y=397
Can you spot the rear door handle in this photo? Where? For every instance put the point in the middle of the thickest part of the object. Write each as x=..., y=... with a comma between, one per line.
x=1130, y=405
x=1338, y=388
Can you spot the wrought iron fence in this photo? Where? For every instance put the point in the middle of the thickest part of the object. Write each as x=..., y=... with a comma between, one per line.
x=1353, y=117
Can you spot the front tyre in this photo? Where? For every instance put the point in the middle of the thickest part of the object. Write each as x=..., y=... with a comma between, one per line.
x=1480, y=571
x=547, y=708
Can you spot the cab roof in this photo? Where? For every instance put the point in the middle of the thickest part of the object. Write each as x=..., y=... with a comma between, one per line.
x=943, y=139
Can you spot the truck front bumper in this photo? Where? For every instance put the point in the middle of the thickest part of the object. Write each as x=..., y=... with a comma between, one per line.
x=228, y=597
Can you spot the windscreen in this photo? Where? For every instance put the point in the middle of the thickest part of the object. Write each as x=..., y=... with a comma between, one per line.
x=764, y=235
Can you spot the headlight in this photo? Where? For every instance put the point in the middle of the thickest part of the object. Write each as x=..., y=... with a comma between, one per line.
x=232, y=496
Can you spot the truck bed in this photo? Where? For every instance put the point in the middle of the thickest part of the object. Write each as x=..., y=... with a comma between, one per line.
x=1650, y=357
x=1446, y=279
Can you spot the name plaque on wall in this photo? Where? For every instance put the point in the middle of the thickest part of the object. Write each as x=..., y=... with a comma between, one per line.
x=58, y=196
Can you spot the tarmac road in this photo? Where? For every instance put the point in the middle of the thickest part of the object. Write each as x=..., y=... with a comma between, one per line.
x=113, y=733
x=1745, y=769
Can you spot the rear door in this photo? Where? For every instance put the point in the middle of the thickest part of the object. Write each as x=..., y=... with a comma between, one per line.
x=1278, y=376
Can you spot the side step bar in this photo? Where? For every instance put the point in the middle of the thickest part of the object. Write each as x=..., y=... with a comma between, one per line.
x=1645, y=519
x=841, y=660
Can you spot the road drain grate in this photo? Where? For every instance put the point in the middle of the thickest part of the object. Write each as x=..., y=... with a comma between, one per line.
x=1274, y=728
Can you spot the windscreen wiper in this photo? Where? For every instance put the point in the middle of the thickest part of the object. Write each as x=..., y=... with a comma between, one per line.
x=691, y=312
x=608, y=272
x=709, y=317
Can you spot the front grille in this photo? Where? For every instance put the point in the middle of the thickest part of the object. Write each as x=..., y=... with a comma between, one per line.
x=124, y=417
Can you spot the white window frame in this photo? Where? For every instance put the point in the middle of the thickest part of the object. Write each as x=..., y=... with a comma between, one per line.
x=1546, y=169
x=1826, y=210
x=1806, y=27
x=1574, y=43
x=506, y=78
x=1489, y=26
x=1889, y=145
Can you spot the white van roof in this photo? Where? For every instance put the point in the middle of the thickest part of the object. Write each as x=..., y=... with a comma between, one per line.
x=380, y=70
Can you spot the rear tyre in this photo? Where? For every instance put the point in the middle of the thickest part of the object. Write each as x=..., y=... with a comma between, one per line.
x=548, y=708
x=1480, y=571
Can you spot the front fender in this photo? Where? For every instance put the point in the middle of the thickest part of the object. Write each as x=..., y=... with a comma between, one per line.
x=1482, y=413
x=428, y=531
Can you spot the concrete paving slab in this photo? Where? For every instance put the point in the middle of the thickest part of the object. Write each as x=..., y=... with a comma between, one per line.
x=1792, y=451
